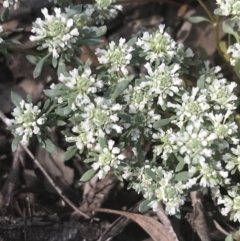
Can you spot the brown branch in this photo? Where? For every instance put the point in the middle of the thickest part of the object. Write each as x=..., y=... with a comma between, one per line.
x=166, y=222
x=37, y=163
x=197, y=219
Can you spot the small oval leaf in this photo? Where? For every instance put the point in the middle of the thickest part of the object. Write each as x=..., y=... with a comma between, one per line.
x=88, y=175
x=143, y=207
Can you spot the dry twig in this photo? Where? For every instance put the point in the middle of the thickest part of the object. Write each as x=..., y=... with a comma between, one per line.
x=37, y=163
x=166, y=222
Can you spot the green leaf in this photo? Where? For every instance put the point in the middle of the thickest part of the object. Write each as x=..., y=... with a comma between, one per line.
x=140, y=153
x=88, y=160
x=237, y=67
x=132, y=42
x=151, y=174
x=88, y=175
x=101, y=31
x=32, y=59
x=71, y=151
x=180, y=164
x=229, y=238
x=67, y=133
x=201, y=82
x=24, y=4
x=49, y=146
x=55, y=122
x=227, y=28
x=15, y=143
x=143, y=207
x=14, y=41
x=54, y=62
x=102, y=142
x=198, y=19
x=5, y=14
x=54, y=92
x=182, y=176
x=46, y=105
x=125, y=117
x=161, y=123
x=38, y=69
x=64, y=111
x=119, y=89
x=16, y=99
x=61, y=66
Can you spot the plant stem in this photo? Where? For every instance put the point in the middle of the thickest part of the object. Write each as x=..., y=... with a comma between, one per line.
x=207, y=11
x=38, y=164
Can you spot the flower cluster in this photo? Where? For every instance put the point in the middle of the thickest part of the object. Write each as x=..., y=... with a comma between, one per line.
x=78, y=83
x=11, y=3
x=116, y=57
x=201, y=118
x=191, y=128
x=228, y=7
x=231, y=8
x=105, y=10
x=160, y=46
x=108, y=157
x=28, y=121
x=57, y=32
x=231, y=202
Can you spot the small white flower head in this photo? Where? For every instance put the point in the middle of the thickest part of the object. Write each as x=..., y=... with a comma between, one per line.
x=232, y=159
x=57, y=32
x=194, y=143
x=101, y=117
x=222, y=127
x=160, y=46
x=222, y=95
x=11, y=3
x=136, y=98
x=193, y=106
x=162, y=82
x=234, y=50
x=27, y=121
x=108, y=157
x=231, y=203
x=82, y=85
x=165, y=148
x=228, y=7
x=116, y=57
x=83, y=139
x=105, y=10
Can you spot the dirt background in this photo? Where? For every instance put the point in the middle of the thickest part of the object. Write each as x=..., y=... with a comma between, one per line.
x=26, y=194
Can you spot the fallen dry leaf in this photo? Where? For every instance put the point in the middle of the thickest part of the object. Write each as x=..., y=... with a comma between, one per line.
x=155, y=229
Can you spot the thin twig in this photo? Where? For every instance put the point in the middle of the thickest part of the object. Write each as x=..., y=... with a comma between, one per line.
x=166, y=222
x=199, y=222
x=37, y=163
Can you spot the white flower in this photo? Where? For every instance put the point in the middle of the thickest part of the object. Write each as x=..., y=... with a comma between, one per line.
x=221, y=127
x=104, y=9
x=192, y=107
x=159, y=45
x=194, y=143
x=222, y=94
x=10, y=3
x=108, y=157
x=57, y=32
x=117, y=57
x=232, y=159
x=162, y=81
x=27, y=120
x=136, y=98
x=235, y=53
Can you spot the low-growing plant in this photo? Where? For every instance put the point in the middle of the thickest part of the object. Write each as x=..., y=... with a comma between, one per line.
x=193, y=131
